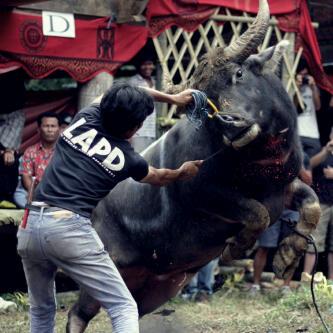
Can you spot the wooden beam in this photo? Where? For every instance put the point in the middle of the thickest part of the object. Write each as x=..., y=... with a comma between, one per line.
x=249, y=19
x=15, y=3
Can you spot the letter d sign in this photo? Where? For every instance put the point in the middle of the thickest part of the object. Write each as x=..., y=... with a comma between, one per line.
x=58, y=24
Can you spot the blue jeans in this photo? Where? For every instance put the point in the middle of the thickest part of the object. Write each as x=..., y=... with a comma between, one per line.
x=66, y=240
x=20, y=195
x=203, y=280
x=272, y=235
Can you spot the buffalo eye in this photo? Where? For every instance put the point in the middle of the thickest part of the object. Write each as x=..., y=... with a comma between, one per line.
x=239, y=74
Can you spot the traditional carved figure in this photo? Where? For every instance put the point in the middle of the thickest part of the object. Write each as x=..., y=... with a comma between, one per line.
x=159, y=237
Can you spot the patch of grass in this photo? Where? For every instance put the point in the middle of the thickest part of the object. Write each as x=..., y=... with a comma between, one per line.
x=229, y=311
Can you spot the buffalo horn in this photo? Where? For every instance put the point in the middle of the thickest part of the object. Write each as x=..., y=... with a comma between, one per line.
x=248, y=42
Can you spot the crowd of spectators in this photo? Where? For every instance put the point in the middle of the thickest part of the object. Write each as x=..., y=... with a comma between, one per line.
x=317, y=172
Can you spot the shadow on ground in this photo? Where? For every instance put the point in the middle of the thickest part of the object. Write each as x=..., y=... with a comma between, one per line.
x=164, y=321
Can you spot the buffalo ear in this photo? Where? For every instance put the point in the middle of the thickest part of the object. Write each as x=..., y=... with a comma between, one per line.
x=257, y=61
x=279, y=50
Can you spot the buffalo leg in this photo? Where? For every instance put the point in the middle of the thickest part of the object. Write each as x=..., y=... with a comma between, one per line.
x=293, y=247
x=81, y=313
x=255, y=218
x=158, y=290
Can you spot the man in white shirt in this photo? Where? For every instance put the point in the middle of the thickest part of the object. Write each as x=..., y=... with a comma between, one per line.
x=307, y=119
x=147, y=133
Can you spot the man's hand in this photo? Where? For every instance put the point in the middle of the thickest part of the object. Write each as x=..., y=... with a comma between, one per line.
x=189, y=169
x=329, y=147
x=183, y=98
x=305, y=176
x=328, y=172
x=9, y=157
x=311, y=81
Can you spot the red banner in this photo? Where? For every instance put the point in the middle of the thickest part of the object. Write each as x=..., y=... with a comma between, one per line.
x=95, y=48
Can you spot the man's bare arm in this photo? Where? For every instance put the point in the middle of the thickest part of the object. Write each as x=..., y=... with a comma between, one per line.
x=26, y=181
x=179, y=99
x=162, y=177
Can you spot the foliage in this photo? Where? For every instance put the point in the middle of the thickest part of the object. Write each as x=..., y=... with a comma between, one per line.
x=50, y=84
x=19, y=298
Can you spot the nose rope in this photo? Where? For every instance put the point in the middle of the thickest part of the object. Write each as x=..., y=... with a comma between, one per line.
x=200, y=109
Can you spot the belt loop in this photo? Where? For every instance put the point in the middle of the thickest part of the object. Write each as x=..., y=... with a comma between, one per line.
x=41, y=212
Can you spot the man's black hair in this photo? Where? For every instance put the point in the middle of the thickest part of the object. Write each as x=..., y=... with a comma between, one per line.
x=302, y=65
x=124, y=107
x=47, y=115
x=139, y=62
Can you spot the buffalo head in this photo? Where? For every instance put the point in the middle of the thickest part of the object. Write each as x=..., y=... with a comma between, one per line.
x=245, y=88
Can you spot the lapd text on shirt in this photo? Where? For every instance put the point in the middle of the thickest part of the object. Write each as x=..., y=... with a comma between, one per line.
x=114, y=160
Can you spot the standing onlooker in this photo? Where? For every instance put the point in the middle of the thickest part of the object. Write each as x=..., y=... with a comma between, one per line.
x=322, y=164
x=37, y=157
x=200, y=287
x=307, y=119
x=147, y=133
x=270, y=239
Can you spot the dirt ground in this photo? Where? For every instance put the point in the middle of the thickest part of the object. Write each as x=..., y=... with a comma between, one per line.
x=229, y=311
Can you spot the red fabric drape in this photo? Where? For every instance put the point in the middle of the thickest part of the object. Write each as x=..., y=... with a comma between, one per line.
x=95, y=48
x=299, y=22
x=38, y=103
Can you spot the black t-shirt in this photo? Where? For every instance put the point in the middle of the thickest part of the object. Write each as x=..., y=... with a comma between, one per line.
x=322, y=185
x=87, y=164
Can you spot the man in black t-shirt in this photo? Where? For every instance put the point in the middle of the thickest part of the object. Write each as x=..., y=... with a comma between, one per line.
x=91, y=157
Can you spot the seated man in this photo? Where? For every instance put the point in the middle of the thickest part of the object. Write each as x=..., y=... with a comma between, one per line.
x=37, y=157
x=8, y=179
x=11, y=124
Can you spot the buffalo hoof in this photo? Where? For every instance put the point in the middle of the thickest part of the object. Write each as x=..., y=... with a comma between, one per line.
x=75, y=324
x=287, y=257
x=235, y=250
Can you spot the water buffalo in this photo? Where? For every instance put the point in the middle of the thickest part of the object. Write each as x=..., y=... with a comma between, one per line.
x=159, y=237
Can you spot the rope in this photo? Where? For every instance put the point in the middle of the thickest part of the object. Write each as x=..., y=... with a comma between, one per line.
x=310, y=240
x=197, y=111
